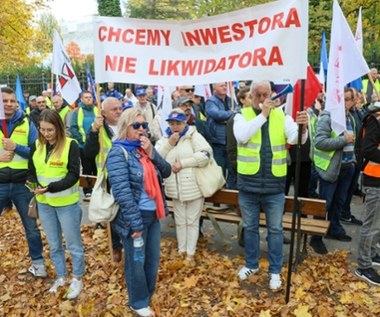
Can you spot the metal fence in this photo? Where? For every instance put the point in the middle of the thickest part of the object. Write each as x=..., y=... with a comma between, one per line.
x=36, y=83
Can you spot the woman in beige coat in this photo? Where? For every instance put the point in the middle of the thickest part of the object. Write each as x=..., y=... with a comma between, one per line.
x=185, y=149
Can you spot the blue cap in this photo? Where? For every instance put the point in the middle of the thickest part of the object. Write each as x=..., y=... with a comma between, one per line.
x=175, y=116
x=140, y=92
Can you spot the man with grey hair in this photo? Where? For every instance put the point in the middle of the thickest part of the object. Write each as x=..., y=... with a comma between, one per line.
x=262, y=132
x=63, y=110
x=105, y=127
x=368, y=88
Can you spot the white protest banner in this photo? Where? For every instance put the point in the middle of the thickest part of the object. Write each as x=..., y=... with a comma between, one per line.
x=268, y=41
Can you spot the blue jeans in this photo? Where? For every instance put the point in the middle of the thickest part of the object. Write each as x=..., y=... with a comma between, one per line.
x=273, y=205
x=66, y=219
x=335, y=195
x=20, y=195
x=370, y=229
x=221, y=158
x=141, y=277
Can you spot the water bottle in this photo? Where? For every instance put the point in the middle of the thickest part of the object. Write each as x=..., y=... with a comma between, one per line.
x=138, y=244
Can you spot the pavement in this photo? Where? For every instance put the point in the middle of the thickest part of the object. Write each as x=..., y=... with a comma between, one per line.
x=230, y=231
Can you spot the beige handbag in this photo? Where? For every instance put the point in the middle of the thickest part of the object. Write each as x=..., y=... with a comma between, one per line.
x=209, y=178
x=32, y=211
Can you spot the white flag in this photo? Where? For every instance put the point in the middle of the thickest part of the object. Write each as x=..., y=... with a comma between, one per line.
x=359, y=32
x=346, y=64
x=67, y=81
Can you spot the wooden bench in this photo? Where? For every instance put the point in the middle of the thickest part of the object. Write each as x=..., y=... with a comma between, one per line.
x=230, y=213
x=227, y=210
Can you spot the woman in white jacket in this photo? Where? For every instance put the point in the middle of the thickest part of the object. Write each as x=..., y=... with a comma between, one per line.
x=185, y=149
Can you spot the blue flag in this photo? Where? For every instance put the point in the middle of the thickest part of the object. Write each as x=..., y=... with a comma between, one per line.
x=19, y=94
x=323, y=58
x=90, y=83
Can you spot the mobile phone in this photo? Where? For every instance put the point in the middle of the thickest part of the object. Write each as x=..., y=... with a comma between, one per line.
x=31, y=186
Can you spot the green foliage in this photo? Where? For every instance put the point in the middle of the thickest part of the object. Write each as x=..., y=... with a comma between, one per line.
x=109, y=8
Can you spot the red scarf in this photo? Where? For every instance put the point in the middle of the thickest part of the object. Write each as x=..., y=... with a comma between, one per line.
x=152, y=186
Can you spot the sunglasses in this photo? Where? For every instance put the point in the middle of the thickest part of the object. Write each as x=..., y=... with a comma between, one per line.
x=189, y=90
x=137, y=125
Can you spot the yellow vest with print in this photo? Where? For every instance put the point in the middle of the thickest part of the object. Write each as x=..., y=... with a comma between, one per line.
x=322, y=158
x=107, y=144
x=20, y=135
x=81, y=119
x=248, y=160
x=54, y=170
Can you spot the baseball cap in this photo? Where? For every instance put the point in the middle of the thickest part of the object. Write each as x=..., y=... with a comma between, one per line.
x=182, y=100
x=140, y=92
x=32, y=97
x=177, y=115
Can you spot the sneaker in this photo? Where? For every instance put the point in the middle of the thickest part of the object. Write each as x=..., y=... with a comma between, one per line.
x=57, y=283
x=275, y=281
x=245, y=272
x=376, y=260
x=145, y=312
x=74, y=289
x=318, y=246
x=38, y=270
x=351, y=221
x=370, y=275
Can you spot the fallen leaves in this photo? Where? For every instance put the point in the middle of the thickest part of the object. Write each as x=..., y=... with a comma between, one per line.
x=322, y=286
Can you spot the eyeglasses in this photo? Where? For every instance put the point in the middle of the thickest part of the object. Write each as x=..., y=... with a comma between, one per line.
x=137, y=125
x=189, y=90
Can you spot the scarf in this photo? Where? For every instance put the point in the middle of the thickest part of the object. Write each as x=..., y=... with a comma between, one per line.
x=181, y=134
x=151, y=184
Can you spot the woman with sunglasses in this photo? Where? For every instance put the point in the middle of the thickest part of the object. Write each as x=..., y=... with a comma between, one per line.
x=135, y=169
x=54, y=179
x=185, y=149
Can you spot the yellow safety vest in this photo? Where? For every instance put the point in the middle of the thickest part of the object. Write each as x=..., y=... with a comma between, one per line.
x=322, y=158
x=248, y=159
x=54, y=170
x=63, y=113
x=107, y=144
x=80, y=121
x=375, y=88
x=20, y=135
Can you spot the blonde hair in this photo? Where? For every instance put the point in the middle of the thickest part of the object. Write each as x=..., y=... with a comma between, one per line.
x=126, y=119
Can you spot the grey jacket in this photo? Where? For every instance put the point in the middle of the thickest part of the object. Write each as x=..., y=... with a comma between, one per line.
x=324, y=141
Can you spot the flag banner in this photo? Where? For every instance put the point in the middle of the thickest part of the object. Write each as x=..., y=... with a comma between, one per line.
x=312, y=87
x=346, y=63
x=90, y=83
x=323, y=61
x=357, y=83
x=268, y=40
x=2, y=114
x=67, y=81
x=203, y=91
x=19, y=94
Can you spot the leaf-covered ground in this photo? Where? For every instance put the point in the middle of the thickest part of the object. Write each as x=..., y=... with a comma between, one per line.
x=322, y=286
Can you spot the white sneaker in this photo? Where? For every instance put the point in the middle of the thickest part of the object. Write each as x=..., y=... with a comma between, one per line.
x=74, y=289
x=145, y=312
x=245, y=272
x=275, y=281
x=38, y=270
x=57, y=283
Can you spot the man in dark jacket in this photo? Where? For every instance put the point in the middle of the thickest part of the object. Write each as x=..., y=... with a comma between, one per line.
x=16, y=138
x=35, y=113
x=105, y=127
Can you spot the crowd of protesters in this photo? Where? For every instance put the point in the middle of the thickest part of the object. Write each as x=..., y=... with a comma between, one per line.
x=251, y=138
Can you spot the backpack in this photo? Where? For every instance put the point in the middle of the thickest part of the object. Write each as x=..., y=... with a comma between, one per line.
x=359, y=144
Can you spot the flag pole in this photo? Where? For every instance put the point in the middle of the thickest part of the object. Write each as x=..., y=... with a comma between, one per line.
x=296, y=207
